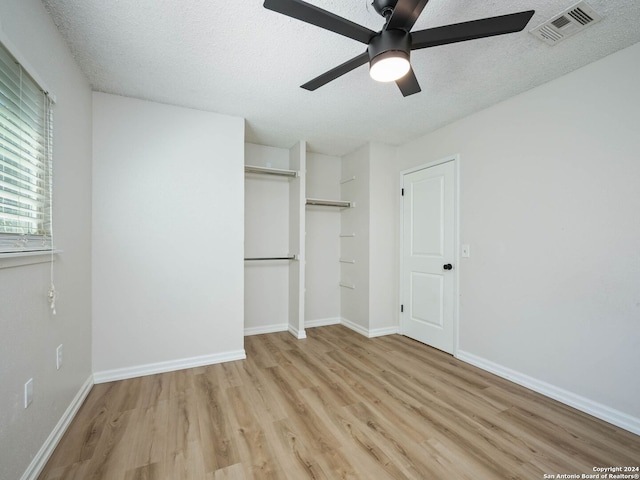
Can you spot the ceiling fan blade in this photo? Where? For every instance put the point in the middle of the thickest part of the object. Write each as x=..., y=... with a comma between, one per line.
x=408, y=84
x=320, y=18
x=334, y=73
x=460, y=32
x=405, y=14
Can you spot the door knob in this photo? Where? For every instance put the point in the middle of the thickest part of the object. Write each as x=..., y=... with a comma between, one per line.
x=448, y=266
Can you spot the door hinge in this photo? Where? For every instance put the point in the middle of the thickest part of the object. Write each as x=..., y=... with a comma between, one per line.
x=403, y=192
x=401, y=308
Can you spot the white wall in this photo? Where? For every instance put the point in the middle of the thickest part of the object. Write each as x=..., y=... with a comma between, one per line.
x=30, y=333
x=266, y=224
x=549, y=204
x=168, y=233
x=322, y=272
x=384, y=303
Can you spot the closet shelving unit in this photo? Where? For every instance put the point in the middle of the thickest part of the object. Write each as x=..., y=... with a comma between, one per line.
x=339, y=204
x=326, y=205
x=295, y=174
x=253, y=169
x=346, y=264
x=287, y=254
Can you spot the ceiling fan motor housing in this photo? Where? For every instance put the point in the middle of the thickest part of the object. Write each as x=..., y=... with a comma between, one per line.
x=384, y=7
x=392, y=42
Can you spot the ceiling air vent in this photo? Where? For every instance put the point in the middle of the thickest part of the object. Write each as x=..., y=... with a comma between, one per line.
x=567, y=23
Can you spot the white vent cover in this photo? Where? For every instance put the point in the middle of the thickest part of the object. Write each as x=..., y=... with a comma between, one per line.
x=567, y=23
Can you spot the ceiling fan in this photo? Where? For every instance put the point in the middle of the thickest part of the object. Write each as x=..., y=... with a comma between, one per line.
x=388, y=50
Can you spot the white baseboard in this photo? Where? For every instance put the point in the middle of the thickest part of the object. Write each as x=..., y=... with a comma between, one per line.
x=168, y=366
x=355, y=327
x=369, y=333
x=41, y=458
x=608, y=414
x=319, y=322
x=322, y=322
x=381, y=332
x=299, y=334
x=280, y=327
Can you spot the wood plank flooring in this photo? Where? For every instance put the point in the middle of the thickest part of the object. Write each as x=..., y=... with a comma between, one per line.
x=334, y=406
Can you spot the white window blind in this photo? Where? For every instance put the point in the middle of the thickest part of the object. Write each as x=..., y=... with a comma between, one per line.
x=26, y=138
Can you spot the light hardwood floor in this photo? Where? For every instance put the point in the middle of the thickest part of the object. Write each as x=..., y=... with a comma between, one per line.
x=334, y=406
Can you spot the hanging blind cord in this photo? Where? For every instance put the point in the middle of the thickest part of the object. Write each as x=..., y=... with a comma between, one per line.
x=53, y=293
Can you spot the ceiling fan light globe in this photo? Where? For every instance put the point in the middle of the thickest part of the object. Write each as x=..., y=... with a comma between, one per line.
x=389, y=68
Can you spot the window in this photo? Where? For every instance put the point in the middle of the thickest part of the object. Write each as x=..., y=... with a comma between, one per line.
x=25, y=160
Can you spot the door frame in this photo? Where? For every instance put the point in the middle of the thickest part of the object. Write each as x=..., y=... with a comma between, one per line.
x=456, y=240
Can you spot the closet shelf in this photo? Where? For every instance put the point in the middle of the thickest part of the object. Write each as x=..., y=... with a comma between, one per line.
x=329, y=203
x=344, y=260
x=287, y=257
x=346, y=180
x=270, y=171
x=346, y=235
x=347, y=285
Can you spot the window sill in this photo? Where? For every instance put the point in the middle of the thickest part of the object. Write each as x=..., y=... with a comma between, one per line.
x=19, y=259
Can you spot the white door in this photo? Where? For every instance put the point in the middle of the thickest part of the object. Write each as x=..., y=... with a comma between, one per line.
x=428, y=251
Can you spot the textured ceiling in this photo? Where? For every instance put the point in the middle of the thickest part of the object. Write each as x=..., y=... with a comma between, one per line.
x=240, y=59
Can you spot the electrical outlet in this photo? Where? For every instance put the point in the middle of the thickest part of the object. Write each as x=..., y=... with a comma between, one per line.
x=28, y=393
x=59, y=357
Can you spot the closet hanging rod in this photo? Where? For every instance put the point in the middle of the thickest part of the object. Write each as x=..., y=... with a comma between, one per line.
x=288, y=257
x=346, y=180
x=346, y=285
x=344, y=260
x=270, y=171
x=329, y=203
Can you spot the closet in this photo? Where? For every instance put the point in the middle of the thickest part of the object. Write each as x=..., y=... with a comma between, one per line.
x=271, y=250
x=293, y=263
x=324, y=207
